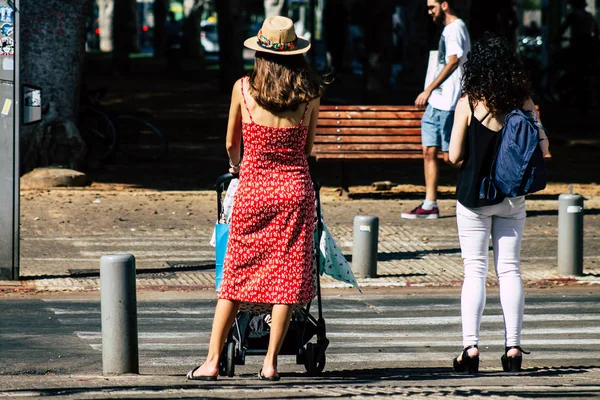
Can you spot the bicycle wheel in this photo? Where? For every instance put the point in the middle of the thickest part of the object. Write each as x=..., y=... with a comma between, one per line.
x=140, y=139
x=99, y=133
x=559, y=87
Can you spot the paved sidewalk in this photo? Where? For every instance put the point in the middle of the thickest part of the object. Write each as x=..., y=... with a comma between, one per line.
x=64, y=232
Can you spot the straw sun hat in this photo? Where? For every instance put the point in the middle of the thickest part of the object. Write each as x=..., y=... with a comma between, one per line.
x=277, y=36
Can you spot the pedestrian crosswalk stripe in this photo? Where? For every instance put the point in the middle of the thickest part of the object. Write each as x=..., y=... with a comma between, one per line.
x=358, y=309
x=381, y=345
x=370, y=321
x=94, y=335
x=167, y=253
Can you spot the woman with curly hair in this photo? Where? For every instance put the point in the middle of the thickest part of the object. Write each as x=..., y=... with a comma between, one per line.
x=494, y=83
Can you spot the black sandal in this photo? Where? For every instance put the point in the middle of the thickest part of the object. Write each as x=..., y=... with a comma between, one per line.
x=191, y=377
x=273, y=378
x=467, y=363
x=512, y=363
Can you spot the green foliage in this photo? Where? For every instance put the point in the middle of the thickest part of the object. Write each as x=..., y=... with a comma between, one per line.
x=530, y=4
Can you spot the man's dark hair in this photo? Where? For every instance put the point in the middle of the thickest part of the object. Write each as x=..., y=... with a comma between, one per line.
x=450, y=3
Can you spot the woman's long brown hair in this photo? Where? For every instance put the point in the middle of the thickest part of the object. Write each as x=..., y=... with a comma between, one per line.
x=281, y=83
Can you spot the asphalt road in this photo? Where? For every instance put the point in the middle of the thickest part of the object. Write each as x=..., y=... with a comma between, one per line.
x=382, y=343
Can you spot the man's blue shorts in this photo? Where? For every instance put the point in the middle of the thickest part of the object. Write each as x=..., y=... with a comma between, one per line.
x=436, y=127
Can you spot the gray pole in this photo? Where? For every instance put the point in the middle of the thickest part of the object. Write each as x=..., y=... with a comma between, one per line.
x=119, y=314
x=9, y=145
x=364, y=249
x=570, y=234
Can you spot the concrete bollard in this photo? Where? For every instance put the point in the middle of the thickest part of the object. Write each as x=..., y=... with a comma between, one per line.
x=364, y=249
x=119, y=314
x=570, y=234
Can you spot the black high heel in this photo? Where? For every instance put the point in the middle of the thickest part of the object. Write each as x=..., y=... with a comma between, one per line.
x=512, y=363
x=467, y=363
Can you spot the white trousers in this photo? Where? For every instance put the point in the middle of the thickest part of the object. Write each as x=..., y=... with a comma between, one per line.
x=505, y=222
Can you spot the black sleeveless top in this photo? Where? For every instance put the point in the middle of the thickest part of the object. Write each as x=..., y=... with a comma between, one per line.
x=479, y=154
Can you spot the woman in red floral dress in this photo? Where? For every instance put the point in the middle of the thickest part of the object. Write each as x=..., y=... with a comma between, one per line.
x=269, y=254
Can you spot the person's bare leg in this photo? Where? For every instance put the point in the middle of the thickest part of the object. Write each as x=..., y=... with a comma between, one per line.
x=225, y=313
x=430, y=163
x=281, y=317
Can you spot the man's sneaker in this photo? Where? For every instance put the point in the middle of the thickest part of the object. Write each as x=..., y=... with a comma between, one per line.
x=420, y=212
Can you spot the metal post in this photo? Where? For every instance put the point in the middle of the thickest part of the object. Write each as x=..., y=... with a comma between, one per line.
x=364, y=250
x=9, y=144
x=570, y=234
x=119, y=314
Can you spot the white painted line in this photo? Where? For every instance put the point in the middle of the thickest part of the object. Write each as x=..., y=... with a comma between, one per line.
x=360, y=308
x=94, y=335
x=161, y=258
x=378, y=345
x=198, y=236
x=483, y=342
x=151, y=311
x=456, y=306
x=154, y=243
x=485, y=335
x=417, y=321
x=437, y=320
x=167, y=254
x=163, y=346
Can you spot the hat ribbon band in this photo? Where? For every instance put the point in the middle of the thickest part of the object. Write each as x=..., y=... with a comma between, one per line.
x=267, y=44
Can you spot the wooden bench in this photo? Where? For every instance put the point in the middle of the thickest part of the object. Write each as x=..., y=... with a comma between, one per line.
x=354, y=133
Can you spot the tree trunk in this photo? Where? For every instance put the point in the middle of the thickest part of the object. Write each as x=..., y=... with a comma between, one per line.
x=378, y=43
x=161, y=7
x=125, y=33
x=52, y=51
x=105, y=20
x=231, y=42
x=415, y=52
x=191, y=28
x=274, y=8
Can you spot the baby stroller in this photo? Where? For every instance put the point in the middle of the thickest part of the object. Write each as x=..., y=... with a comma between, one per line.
x=249, y=334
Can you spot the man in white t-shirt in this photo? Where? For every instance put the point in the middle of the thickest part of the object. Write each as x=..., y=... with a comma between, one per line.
x=440, y=96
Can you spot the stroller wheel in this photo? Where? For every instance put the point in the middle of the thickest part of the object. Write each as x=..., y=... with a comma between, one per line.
x=223, y=362
x=230, y=359
x=314, y=361
x=227, y=360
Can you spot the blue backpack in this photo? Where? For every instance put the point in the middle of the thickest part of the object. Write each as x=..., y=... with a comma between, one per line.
x=518, y=167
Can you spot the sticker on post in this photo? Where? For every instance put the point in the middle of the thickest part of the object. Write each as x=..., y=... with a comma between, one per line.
x=7, y=29
x=7, y=14
x=7, y=46
x=8, y=64
x=365, y=228
x=7, y=105
x=574, y=209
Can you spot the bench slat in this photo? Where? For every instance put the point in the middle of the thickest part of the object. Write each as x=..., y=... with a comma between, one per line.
x=370, y=115
x=362, y=156
x=343, y=131
x=370, y=108
x=370, y=122
x=366, y=139
x=387, y=147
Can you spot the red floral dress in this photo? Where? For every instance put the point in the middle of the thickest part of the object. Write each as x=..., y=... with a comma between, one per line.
x=269, y=253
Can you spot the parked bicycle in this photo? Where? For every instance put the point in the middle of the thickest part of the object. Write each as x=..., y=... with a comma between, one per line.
x=569, y=82
x=106, y=132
